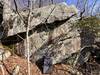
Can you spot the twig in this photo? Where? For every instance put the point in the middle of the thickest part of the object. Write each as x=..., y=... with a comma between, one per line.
x=93, y=6
x=27, y=36
x=20, y=36
x=81, y=13
x=16, y=7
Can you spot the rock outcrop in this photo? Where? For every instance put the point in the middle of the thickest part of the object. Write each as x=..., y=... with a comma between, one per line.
x=54, y=43
x=45, y=15
x=51, y=32
x=59, y=43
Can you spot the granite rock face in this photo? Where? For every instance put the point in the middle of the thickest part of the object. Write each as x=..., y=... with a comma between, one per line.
x=59, y=43
x=51, y=32
x=47, y=14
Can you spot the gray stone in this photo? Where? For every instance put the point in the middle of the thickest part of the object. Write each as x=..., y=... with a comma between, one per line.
x=47, y=66
x=51, y=32
x=59, y=43
x=39, y=16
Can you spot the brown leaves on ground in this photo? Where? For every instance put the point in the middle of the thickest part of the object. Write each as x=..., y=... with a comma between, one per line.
x=59, y=69
x=13, y=61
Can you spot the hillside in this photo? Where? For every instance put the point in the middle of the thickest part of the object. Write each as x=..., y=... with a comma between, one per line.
x=54, y=38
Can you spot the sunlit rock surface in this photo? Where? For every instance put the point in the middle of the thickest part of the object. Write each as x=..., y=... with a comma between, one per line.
x=51, y=32
x=46, y=14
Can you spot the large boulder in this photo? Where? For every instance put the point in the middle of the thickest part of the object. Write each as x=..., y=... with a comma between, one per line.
x=58, y=43
x=51, y=32
x=40, y=16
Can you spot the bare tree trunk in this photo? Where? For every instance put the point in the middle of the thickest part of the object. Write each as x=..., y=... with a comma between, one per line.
x=77, y=3
x=27, y=45
x=40, y=3
x=52, y=1
x=27, y=35
x=93, y=6
x=84, y=9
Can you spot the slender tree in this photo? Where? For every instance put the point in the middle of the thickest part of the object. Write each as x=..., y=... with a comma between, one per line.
x=93, y=6
x=27, y=34
x=40, y=3
x=52, y=1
